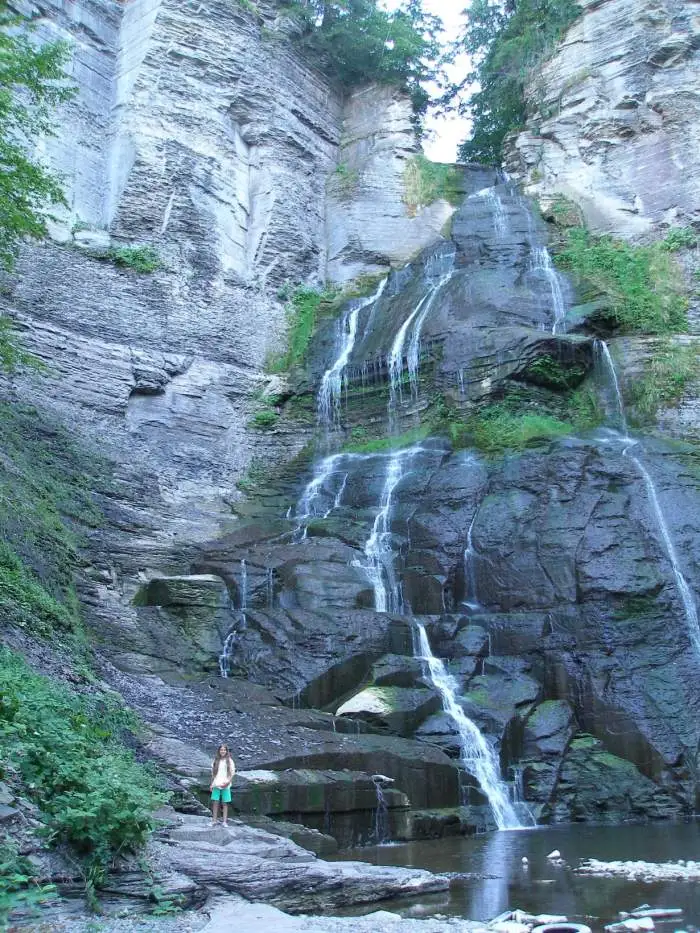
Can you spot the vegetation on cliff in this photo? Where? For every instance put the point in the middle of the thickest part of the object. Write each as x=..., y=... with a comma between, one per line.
x=640, y=285
x=65, y=751
x=506, y=42
x=358, y=41
x=32, y=84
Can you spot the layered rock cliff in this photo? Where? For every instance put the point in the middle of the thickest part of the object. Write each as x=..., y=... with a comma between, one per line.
x=538, y=565
x=616, y=117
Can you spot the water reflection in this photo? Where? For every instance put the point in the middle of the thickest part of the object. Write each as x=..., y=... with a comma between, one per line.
x=492, y=879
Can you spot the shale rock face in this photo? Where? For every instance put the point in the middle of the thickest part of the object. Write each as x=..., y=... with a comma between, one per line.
x=620, y=112
x=202, y=133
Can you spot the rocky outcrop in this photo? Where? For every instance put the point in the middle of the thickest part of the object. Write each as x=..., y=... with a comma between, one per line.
x=616, y=115
x=369, y=225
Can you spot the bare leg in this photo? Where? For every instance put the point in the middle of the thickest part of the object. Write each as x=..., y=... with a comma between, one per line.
x=214, y=810
x=224, y=807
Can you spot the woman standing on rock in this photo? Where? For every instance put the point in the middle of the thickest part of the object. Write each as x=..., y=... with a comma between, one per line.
x=222, y=772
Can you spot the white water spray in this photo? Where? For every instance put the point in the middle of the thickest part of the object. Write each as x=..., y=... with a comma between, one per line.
x=231, y=641
x=379, y=552
x=414, y=324
x=309, y=505
x=476, y=755
x=471, y=599
x=542, y=263
x=329, y=394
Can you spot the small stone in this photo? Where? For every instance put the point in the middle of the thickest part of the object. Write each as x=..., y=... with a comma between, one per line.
x=6, y=795
x=555, y=854
x=7, y=813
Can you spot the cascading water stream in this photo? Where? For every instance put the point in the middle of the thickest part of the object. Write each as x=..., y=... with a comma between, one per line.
x=329, y=394
x=612, y=400
x=381, y=812
x=231, y=641
x=414, y=324
x=306, y=508
x=542, y=263
x=476, y=755
x=379, y=552
x=470, y=598
x=607, y=367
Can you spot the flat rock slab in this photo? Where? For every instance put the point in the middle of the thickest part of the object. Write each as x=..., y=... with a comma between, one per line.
x=262, y=867
x=235, y=914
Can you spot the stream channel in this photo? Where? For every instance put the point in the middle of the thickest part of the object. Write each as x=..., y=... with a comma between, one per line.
x=494, y=879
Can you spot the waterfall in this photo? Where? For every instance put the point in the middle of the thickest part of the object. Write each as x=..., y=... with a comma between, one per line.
x=500, y=224
x=687, y=598
x=379, y=553
x=470, y=597
x=414, y=323
x=270, y=587
x=476, y=755
x=231, y=641
x=607, y=367
x=308, y=501
x=328, y=399
x=381, y=812
x=542, y=262
x=227, y=652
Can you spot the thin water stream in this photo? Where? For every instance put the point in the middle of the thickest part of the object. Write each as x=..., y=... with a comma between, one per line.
x=615, y=411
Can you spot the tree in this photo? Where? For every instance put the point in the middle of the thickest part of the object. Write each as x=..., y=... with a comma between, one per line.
x=32, y=83
x=356, y=42
x=506, y=42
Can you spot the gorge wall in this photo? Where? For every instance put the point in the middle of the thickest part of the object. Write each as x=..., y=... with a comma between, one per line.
x=542, y=577
x=616, y=115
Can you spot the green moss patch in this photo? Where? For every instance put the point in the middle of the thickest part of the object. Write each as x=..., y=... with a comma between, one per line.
x=641, y=285
x=45, y=505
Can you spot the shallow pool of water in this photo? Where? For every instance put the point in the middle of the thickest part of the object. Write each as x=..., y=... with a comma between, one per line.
x=500, y=882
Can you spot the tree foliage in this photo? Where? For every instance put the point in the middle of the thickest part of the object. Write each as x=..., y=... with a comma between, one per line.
x=506, y=42
x=67, y=750
x=356, y=41
x=32, y=83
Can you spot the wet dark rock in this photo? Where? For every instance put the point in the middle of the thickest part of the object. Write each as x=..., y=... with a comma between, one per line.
x=596, y=785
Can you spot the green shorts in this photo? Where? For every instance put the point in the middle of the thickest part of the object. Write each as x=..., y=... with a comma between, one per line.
x=221, y=793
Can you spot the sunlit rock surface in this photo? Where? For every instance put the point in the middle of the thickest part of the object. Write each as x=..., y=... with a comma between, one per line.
x=618, y=116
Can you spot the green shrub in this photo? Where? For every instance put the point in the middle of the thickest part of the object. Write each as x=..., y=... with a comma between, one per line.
x=141, y=259
x=640, y=284
x=25, y=603
x=359, y=443
x=679, y=238
x=67, y=749
x=426, y=182
x=554, y=374
x=18, y=884
x=666, y=376
x=496, y=429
